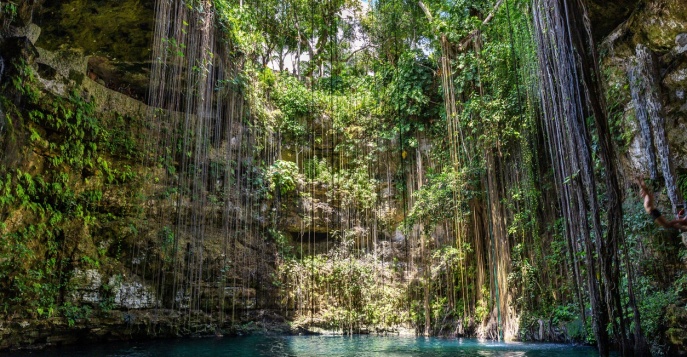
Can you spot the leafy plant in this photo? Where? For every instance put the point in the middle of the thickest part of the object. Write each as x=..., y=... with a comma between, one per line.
x=282, y=177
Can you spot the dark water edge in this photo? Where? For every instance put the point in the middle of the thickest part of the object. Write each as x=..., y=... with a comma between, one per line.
x=318, y=345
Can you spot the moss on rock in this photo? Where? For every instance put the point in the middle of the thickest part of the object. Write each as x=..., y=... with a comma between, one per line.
x=659, y=24
x=115, y=29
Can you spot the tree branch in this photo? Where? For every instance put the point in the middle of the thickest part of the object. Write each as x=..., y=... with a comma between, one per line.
x=350, y=55
x=425, y=10
x=466, y=41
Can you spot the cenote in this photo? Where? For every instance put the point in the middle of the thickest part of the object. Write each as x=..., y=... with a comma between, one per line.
x=359, y=345
x=509, y=170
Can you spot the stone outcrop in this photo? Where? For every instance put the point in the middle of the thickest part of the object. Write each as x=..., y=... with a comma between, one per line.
x=126, y=325
x=607, y=15
x=118, y=30
x=101, y=55
x=659, y=26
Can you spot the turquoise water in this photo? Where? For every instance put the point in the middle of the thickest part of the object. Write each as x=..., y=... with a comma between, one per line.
x=319, y=346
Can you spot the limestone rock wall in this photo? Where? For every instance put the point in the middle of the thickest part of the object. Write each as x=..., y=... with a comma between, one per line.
x=107, y=263
x=660, y=26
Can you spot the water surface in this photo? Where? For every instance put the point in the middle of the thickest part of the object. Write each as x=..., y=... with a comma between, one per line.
x=259, y=345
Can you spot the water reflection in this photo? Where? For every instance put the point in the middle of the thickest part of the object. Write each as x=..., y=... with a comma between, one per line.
x=431, y=347
x=306, y=346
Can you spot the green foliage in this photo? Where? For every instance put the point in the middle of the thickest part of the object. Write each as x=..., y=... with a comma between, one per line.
x=616, y=95
x=77, y=128
x=317, y=169
x=267, y=77
x=457, y=18
x=483, y=309
x=564, y=313
x=658, y=286
x=682, y=182
x=492, y=118
x=107, y=298
x=394, y=27
x=352, y=187
x=239, y=25
x=356, y=188
x=166, y=238
x=653, y=304
x=53, y=201
x=25, y=82
x=8, y=11
x=523, y=275
x=296, y=103
x=29, y=273
x=75, y=312
x=173, y=48
x=282, y=177
x=282, y=241
x=348, y=293
x=410, y=86
x=435, y=201
x=402, y=100
x=119, y=140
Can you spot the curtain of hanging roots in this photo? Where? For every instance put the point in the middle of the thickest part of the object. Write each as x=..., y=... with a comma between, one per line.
x=570, y=92
x=198, y=154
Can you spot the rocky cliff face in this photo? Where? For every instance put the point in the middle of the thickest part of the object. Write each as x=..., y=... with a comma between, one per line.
x=117, y=30
x=655, y=32
x=81, y=248
x=659, y=26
